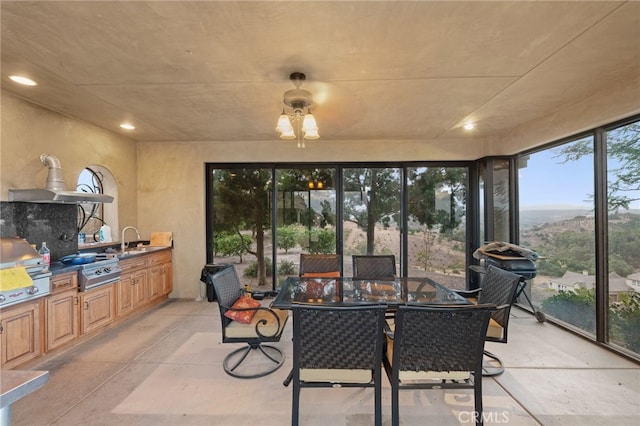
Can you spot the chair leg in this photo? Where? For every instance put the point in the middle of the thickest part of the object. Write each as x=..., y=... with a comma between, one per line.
x=490, y=371
x=477, y=395
x=295, y=407
x=395, y=405
x=277, y=358
x=378, y=401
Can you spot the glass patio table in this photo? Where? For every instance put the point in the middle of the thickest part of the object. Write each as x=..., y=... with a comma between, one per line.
x=336, y=291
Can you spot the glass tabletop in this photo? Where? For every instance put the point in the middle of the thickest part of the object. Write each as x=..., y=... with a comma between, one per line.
x=326, y=291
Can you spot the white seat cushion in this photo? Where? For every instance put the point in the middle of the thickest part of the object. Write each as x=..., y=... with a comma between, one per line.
x=332, y=375
x=495, y=330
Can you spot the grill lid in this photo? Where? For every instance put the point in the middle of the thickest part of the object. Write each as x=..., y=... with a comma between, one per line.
x=17, y=252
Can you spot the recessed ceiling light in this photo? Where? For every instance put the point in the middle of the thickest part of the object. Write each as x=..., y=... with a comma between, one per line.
x=469, y=126
x=127, y=126
x=23, y=80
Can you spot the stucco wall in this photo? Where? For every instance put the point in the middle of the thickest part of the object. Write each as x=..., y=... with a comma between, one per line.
x=29, y=130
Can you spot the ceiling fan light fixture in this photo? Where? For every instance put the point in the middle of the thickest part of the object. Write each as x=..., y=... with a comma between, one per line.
x=297, y=100
x=288, y=134
x=284, y=124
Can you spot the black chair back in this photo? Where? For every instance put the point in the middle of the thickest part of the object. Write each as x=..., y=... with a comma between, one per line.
x=319, y=263
x=374, y=266
x=338, y=338
x=499, y=288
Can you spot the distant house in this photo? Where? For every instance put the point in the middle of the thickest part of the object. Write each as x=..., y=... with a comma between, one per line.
x=633, y=281
x=572, y=281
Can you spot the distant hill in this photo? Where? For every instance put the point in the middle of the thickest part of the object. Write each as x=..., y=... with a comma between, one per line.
x=536, y=217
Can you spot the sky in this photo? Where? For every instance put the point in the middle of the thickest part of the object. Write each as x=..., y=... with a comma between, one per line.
x=549, y=183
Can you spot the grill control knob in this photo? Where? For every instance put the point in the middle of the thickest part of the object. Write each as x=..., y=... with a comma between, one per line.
x=32, y=290
x=98, y=271
x=107, y=269
x=2, y=298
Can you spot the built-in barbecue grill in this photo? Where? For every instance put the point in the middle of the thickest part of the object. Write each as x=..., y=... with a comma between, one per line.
x=23, y=274
x=99, y=273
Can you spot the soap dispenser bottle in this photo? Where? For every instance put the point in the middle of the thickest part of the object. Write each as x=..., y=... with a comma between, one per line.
x=105, y=234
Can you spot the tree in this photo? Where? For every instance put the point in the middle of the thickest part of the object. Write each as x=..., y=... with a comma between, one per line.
x=241, y=199
x=376, y=198
x=623, y=154
x=426, y=185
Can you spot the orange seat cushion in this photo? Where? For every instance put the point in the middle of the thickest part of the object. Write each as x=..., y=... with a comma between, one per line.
x=332, y=274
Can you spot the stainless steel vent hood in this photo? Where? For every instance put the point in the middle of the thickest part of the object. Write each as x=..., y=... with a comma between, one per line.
x=55, y=192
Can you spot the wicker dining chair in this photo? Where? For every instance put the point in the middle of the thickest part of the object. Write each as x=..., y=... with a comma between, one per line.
x=499, y=287
x=337, y=345
x=374, y=266
x=319, y=265
x=436, y=348
x=244, y=320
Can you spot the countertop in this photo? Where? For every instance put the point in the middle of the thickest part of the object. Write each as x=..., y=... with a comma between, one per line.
x=16, y=384
x=57, y=268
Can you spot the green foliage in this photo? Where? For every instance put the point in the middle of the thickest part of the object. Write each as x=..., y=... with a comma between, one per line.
x=625, y=321
x=252, y=269
x=231, y=245
x=577, y=308
x=287, y=237
x=623, y=150
x=286, y=267
x=322, y=240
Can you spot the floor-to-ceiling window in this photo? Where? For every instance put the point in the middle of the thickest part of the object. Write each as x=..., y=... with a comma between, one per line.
x=306, y=215
x=623, y=235
x=436, y=225
x=261, y=217
x=370, y=212
x=556, y=206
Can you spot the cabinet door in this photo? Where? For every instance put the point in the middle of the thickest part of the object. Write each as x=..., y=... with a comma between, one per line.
x=97, y=308
x=124, y=295
x=20, y=333
x=155, y=282
x=167, y=283
x=62, y=319
x=139, y=289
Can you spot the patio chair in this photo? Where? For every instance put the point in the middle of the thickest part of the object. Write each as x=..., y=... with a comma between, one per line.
x=436, y=348
x=337, y=346
x=499, y=288
x=244, y=320
x=319, y=265
x=374, y=266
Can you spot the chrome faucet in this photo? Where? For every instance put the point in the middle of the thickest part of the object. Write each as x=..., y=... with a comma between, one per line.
x=122, y=243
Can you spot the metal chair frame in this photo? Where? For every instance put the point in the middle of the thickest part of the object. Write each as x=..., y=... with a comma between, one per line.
x=228, y=289
x=319, y=263
x=499, y=287
x=434, y=340
x=338, y=338
x=374, y=266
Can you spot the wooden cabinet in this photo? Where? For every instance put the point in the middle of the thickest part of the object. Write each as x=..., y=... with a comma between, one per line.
x=97, y=308
x=20, y=333
x=160, y=275
x=62, y=325
x=131, y=290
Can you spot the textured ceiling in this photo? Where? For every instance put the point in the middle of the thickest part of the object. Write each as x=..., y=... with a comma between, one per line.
x=209, y=70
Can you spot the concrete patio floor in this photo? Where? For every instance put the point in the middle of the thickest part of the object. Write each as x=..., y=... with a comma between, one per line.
x=164, y=367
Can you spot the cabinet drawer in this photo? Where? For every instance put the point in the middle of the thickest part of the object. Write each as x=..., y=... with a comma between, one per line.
x=64, y=282
x=160, y=258
x=133, y=264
